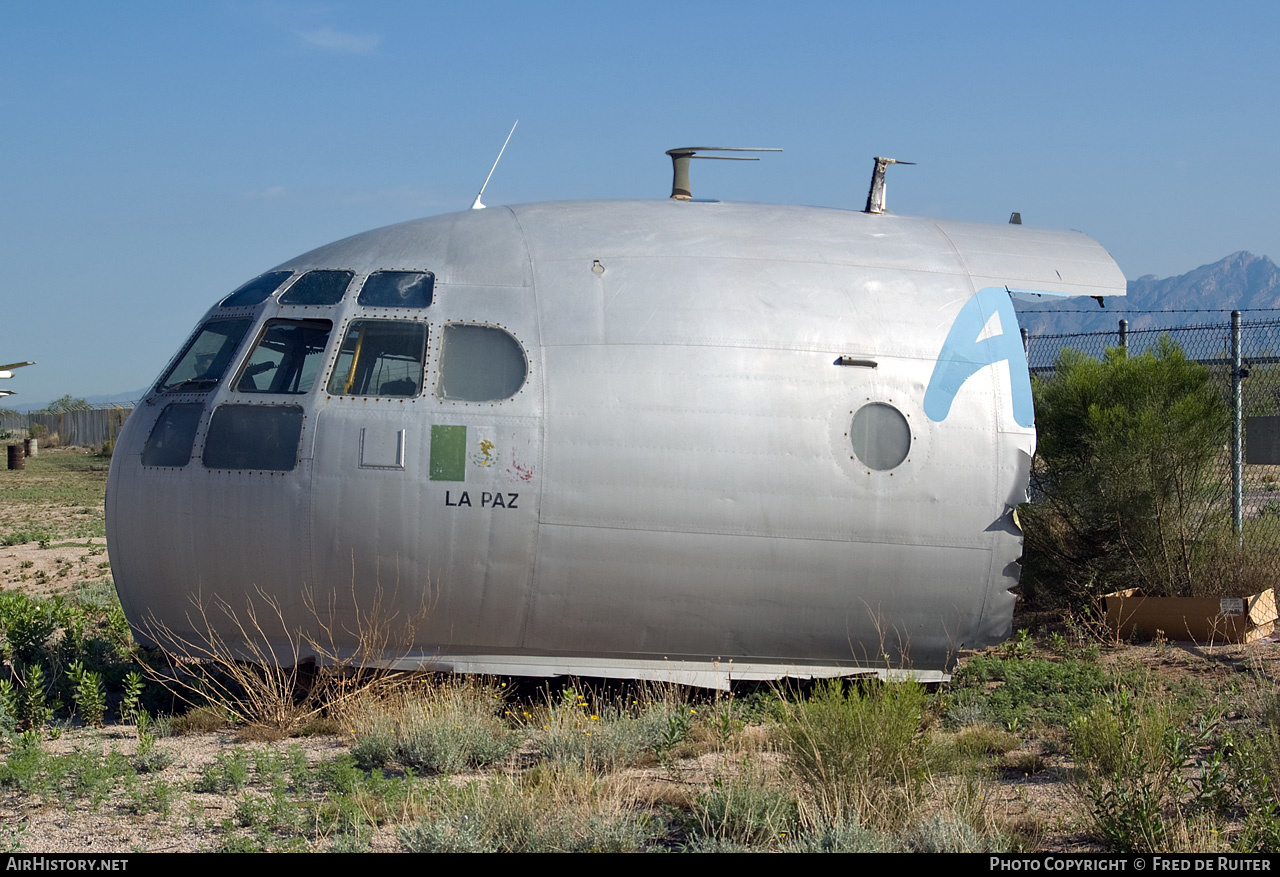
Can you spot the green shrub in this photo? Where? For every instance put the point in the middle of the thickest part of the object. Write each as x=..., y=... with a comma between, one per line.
x=34, y=708
x=942, y=833
x=8, y=709
x=1131, y=752
x=88, y=694
x=580, y=730
x=746, y=809
x=1249, y=786
x=24, y=767
x=841, y=838
x=26, y=626
x=1129, y=473
x=1032, y=689
x=83, y=774
x=229, y=772
x=546, y=810
x=444, y=728
x=857, y=750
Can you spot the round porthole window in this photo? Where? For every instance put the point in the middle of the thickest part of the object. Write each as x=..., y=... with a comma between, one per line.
x=881, y=436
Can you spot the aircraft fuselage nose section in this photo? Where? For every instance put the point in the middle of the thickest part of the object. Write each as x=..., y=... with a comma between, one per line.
x=690, y=441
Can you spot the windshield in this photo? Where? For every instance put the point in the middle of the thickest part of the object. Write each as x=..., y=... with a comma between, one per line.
x=287, y=358
x=206, y=357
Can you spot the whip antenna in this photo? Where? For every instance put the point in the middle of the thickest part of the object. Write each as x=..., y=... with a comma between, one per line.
x=476, y=205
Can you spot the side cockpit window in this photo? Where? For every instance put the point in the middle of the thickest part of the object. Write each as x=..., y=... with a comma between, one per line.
x=397, y=289
x=318, y=288
x=206, y=357
x=256, y=291
x=480, y=364
x=288, y=357
x=170, y=441
x=253, y=437
x=380, y=358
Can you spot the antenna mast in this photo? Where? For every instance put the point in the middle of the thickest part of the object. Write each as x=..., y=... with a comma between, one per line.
x=476, y=205
x=875, y=196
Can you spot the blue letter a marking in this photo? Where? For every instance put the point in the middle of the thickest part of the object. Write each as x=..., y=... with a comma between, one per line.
x=964, y=354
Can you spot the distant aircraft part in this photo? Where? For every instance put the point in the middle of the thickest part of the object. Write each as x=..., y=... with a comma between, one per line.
x=6, y=371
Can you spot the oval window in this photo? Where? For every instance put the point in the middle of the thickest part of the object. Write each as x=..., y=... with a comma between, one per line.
x=480, y=364
x=881, y=436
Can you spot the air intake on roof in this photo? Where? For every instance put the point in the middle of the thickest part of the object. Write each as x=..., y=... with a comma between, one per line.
x=680, y=156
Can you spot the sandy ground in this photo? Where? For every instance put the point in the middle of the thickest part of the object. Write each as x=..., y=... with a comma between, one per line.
x=42, y=572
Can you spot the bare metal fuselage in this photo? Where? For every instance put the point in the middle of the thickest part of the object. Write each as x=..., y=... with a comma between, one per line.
x=676, y=490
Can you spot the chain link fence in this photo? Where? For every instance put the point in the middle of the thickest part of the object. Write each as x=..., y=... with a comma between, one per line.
x=1243, y=358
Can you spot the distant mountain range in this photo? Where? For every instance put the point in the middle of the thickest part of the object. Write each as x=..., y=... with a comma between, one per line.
x=1241, y=281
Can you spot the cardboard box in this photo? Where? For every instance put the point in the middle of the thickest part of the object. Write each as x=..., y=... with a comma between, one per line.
x=1205, y=620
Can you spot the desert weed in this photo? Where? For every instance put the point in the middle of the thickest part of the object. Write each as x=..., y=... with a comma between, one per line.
x=272, y=679
x=856, y=751
x=748, y=808
x=440, y=726
x=546, y=809
x=1132, y=751
x=601, y=733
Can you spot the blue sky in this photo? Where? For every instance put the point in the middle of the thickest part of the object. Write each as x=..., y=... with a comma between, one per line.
x=154, y=155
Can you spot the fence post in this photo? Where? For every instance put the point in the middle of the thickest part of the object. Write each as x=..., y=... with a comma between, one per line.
x=1124, y=336
x=1026, y=344
x=1237, y=445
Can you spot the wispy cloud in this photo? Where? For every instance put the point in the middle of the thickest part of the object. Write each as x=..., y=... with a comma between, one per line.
x=264, y=194
x=332, y=40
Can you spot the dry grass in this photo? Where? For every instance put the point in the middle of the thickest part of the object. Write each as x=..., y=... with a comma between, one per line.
x=251, y=666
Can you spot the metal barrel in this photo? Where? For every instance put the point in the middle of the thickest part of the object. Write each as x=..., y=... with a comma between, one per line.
x=17, y=457
x=31, y=447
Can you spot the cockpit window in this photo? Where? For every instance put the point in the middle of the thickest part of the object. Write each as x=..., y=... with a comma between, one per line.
x=480, y=364
x=287, y=359
x=318, y=288
x=380, y=358
x=256, y=290
x=253, y=437
x=398, y=289
x=206, y=357
x=171, y=438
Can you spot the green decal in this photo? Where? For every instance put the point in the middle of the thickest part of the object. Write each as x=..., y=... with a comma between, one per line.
x=448, y=453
